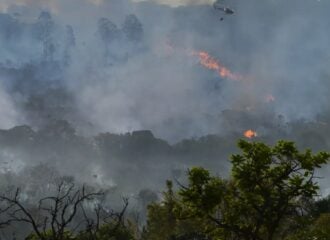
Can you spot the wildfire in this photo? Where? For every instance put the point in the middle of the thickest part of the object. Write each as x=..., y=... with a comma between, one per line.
x=213, y=64
x=205, y=59
x=250, y=134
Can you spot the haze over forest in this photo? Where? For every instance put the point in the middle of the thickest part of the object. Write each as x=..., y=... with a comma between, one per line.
x=115, y=93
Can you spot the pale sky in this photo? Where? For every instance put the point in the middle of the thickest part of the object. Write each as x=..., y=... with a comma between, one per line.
x=4, y=4
x=176, y=3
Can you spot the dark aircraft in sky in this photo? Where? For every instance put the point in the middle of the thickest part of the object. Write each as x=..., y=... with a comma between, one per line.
x=219, y=5
x=226, y=10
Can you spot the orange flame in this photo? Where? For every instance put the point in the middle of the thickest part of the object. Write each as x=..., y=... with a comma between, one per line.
x=250, y=134
x=213, y=64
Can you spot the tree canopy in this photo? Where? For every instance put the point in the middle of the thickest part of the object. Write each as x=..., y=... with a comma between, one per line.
x=270, y=189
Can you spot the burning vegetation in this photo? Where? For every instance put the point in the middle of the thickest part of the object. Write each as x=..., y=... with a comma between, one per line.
x=209, y=62
x=250, y=133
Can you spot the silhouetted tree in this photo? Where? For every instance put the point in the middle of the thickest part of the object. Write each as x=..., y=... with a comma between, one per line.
x=44, y=29
x=54, y=216
x=133, y=28
x=107, y=30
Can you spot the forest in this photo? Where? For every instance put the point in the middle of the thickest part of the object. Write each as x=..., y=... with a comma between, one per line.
x=164, y=120
x=272, y=193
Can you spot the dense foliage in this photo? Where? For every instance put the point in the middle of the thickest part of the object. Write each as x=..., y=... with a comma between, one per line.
x=271, y=194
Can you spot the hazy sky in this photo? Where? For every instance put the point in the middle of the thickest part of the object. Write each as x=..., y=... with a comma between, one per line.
x=53, y=4
x=176, y=3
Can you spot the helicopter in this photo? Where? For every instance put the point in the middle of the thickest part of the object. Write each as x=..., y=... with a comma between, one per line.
x=219, y=5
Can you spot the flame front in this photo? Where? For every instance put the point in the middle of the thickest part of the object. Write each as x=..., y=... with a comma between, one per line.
x=250, y=133
x=213, y=64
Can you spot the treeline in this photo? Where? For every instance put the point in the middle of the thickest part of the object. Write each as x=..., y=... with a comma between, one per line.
x=120, y=157
x=271, y=193
x=142, y=144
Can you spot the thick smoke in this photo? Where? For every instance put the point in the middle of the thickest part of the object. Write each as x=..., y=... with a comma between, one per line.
x=9, y=115
x=123, y=75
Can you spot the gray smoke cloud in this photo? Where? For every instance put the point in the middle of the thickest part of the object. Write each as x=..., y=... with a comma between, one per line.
x=9, y=114
x=279, y=48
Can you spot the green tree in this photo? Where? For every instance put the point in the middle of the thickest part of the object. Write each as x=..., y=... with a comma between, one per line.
x=109, y=231
x=267, y=192
x=321, y=227
x=321, y=206
x=48, y=235
x=315, y=229
x=161, y=219
x=164, y=221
